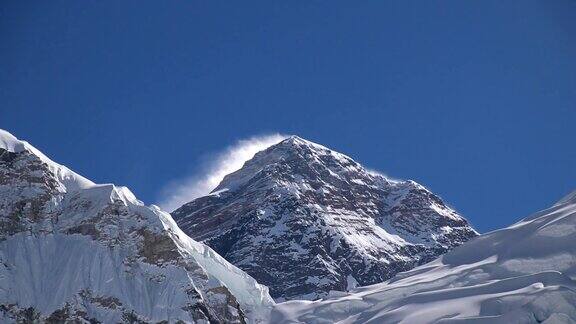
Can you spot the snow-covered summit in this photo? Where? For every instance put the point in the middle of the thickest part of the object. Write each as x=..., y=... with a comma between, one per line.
x=305, y=220
x=525, y=273
x=10, y=143
x=291, y=148
x=75, y=251
x=68, y=178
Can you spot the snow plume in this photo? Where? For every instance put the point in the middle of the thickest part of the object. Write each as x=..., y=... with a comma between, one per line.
x=209, y=175
x=385, y=176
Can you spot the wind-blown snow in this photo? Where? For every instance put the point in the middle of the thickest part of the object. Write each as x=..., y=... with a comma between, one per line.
x=521, y=274
x=208, y=176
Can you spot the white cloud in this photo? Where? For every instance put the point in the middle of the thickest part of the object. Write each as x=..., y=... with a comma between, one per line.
x=208, y=176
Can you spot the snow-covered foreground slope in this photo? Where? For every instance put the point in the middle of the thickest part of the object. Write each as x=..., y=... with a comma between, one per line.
x=521, y=274
x=72, y=250
x=304, y=220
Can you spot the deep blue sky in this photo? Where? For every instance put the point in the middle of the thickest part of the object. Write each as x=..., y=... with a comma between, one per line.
x=475, y=100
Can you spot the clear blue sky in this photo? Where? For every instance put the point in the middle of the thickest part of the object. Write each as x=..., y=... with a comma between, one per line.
x=475, y=100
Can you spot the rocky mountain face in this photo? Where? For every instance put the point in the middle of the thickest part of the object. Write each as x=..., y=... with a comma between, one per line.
x=525, y=273
x=305, y=220
x=75, y=251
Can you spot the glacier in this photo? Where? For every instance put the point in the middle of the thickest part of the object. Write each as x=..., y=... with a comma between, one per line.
x=524, y=273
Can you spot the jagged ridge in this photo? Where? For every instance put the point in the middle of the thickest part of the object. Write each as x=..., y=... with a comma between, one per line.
x=71, y=250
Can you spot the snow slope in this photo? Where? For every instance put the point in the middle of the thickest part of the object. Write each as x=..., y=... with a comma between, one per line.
x=72, y=250
x=521, y=274
x=303, y=220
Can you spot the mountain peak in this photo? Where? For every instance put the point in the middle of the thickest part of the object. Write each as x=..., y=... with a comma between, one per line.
x=95, y=245
x=294, y=152
x=292, y=144
x=69, y=179
x=10, y=143
x=297, y=140
x=293, y=138
x=304, y=220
